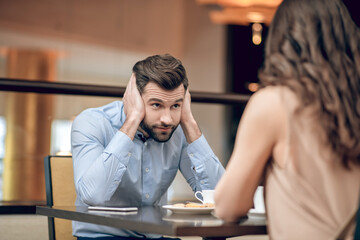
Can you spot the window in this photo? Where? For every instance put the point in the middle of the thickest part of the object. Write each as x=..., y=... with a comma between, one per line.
x=2, y=138
x=60, y=137
x=2, y=149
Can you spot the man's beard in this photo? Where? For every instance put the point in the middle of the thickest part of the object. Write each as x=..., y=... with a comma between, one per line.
x=161, y=136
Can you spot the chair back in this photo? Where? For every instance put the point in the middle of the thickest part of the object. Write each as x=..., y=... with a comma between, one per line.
x=60, y=191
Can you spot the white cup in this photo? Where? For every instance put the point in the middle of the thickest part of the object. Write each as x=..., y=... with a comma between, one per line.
x=207, y=196
x=259, y=204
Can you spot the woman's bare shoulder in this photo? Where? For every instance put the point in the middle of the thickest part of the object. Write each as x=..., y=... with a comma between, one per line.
x=269, y=99
x=266, y=110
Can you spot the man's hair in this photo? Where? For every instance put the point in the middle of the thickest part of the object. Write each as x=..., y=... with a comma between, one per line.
x=164, y=70
x=313, y=48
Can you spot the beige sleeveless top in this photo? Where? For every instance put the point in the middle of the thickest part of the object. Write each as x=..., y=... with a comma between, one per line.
x=312, y=196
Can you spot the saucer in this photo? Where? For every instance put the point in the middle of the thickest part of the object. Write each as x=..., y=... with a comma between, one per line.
x=256, y=213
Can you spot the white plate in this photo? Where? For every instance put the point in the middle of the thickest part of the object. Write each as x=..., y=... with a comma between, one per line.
x=256, y=213
x=195, y=220
x=189, y=210
x=192, y=218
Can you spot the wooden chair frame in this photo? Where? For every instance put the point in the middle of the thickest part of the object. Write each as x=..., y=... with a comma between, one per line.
x=49, y=192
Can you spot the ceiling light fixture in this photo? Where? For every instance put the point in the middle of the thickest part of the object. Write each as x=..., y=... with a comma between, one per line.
x=241, y=12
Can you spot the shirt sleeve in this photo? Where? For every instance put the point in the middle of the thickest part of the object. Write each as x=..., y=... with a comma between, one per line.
x=200, y=166
x=100, y=157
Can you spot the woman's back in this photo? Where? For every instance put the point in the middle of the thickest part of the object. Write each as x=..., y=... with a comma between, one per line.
x=309, y=193
x=312, y=59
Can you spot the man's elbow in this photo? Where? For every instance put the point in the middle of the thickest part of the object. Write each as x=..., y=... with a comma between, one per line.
x=91, y=198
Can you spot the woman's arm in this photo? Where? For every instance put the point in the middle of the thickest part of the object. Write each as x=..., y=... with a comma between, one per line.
x=260, y=128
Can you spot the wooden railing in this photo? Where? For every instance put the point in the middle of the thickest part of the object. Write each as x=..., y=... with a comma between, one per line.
x=18, y=85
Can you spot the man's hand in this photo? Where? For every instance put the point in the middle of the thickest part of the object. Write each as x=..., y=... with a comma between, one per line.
x=133, y=107
x=187, y=121
x=186, y=114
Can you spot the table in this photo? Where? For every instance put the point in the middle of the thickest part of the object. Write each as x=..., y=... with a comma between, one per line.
x=19, y=207
x=154, y=219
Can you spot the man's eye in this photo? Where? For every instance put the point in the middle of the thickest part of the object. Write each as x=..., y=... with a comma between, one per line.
x=176, y=106
x=156, y=105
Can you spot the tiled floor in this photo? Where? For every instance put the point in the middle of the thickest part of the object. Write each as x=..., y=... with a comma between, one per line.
x=19, y=227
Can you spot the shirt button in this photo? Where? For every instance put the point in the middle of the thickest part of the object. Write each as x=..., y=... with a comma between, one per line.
x=202, y=182
x=147, y=195
x=191, y=155
x=147, y=169
x=129, y=154
x=145, y=143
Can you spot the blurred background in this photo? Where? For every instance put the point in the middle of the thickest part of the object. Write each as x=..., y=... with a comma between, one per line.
x=92, y=42
x=220, y=43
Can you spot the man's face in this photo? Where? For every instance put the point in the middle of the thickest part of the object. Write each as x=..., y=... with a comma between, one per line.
x=162, y=111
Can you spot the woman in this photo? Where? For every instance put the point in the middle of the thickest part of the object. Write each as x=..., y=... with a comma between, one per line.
x=300, y=132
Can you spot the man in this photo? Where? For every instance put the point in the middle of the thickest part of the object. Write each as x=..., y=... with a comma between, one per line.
x=128, y=153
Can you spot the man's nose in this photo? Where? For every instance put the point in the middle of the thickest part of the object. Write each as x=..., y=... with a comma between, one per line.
x=166, y=117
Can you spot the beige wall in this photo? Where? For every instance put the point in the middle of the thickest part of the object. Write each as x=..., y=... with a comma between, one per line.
x=136, y=25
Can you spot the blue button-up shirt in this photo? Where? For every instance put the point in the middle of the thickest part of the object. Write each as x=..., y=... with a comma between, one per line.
x=111, y=169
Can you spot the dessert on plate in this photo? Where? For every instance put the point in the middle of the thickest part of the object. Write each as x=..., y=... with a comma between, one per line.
x=194, y=205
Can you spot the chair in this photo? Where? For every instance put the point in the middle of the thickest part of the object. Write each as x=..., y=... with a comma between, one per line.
x=60, y=191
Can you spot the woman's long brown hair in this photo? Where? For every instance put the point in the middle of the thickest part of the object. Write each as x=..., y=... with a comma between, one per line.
x=313, y=48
